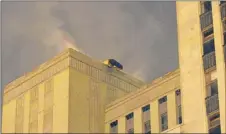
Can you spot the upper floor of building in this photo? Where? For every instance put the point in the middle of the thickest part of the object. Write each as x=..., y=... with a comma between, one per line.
x=152, y=109
x=74, y=60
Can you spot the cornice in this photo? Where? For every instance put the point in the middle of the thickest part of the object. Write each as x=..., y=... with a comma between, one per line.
x=68, y=58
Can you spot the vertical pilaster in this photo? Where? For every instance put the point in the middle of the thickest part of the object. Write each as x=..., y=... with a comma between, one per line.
x=155, y=124
x=220, y=61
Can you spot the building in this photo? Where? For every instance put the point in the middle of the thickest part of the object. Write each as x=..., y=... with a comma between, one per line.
x=61, y=96
x=148, y=109
x=192, y=98
x=201, y=40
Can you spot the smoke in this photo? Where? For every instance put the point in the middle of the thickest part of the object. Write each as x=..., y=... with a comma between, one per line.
x=31, y=35
x=140, y=35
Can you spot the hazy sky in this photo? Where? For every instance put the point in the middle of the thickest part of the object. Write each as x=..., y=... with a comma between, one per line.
x=141, y=35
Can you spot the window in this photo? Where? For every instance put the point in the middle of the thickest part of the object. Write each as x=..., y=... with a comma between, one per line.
x=146, y=119
x=114, y=127
x=163, y=113
x=162, y=100
x=164, y=121
x=222, y=2
x=208, y=47
x=207, y=33
x=131, y=131
x=225, y=38
x=224, y=25
x=179, y=114
x=178, y=103
x=147, y=127
x=206, y=6
x=214, y=88
x=129, y=123
x=216, y=130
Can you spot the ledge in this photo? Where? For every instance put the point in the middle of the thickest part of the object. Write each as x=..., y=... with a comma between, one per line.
x=142, y=90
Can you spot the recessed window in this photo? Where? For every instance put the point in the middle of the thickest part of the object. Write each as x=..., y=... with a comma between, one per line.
x=208, y=32
x=222, y=2
x=225, y=38
x=178, y=92
x=162, y=100
x=216, y=130
x=114, y=127
x=214, y=88
x=163, y=113
x=178, y=103
x=146, y=119
x=129, y=123
x=164, y=122
x=179, y=114
x=206, y=6
x=208, y=47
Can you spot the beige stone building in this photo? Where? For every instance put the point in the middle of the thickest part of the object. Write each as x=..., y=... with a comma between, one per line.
x=73, y=93
x=192, y=98
x=65, y=94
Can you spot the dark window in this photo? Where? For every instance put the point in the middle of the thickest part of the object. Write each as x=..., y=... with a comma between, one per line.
x=114, y=127
x=224, y=25
x=147, y=127
x=214, y=88
x=216, y=130
x=146, y=108
x=208, y=32
x=129, y=123
x=225, y=38
x=178, y=92
x=146, y=119
x=178, y=102
x=129, y=116
x=222, y=2
x=215, y=117
x=208, y=47
x=163, y=99
x=131, y=131
x=206, y=6
x=179, y=115
x=164, y=121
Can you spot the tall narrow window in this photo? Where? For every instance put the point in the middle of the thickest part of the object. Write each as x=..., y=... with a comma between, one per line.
x=212, y=88
x=208, y=46
x=225, y=38
x=206, y=6
x=163, y=113
x=146, y=119
x=114, y=127
x=178, y=106
x=214, y=124
x=129, y=124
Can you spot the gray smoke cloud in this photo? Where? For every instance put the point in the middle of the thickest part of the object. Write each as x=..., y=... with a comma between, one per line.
x=140, y=35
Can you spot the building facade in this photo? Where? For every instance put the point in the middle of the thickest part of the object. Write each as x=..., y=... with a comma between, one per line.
x=201, y=43
x=155, y=108
x=192, y=98
x=73, y=93
x=66, y=94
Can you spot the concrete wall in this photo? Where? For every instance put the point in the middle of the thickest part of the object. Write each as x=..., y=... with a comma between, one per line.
x=60, y=107
x=193, y=77
x=134, y=102
x=220, y=62
x=191, y=67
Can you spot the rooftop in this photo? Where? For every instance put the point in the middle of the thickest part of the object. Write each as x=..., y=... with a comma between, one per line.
x=143, y=89
x=67, y=53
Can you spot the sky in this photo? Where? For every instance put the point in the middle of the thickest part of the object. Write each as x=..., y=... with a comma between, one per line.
x=142, y=36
